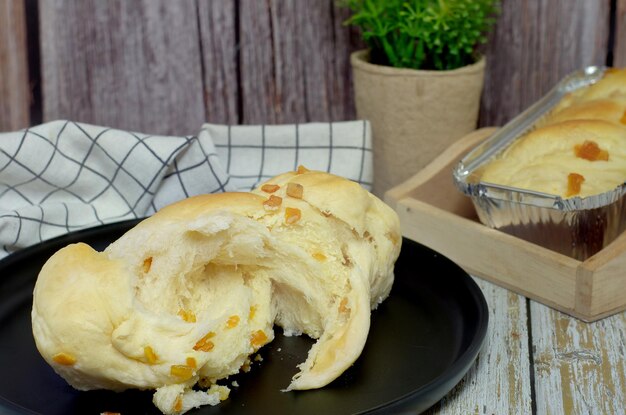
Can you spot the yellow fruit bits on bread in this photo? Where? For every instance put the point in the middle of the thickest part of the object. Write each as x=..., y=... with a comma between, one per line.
x=574, y=183
x=589, y=150
x=270, y=188
x=232, y=322
x=150, y=356
x=205, y=344
x=64, y=359
x=182, y=372
x=292, y=215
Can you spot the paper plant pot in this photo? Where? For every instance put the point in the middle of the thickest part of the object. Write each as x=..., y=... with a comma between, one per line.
x=415, y=114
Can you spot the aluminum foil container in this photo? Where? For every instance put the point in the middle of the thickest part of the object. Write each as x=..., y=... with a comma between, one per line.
x=577, y=227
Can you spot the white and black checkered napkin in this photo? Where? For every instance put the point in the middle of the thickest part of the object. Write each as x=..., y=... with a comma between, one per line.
x=63, y=176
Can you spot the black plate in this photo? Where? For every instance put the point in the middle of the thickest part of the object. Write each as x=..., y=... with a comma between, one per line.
x=423, y=339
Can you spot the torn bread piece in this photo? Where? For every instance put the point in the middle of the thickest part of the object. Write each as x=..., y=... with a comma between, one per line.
x=189, y=294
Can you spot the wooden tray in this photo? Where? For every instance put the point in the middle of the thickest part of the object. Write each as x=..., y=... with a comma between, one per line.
x=433, y=212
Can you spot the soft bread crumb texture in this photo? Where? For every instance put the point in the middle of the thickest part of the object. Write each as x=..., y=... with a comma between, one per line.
x=188, y=295
x=584, y=136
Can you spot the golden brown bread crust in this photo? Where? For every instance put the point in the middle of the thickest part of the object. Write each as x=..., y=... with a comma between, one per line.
x=584, y=137
x=612, y=110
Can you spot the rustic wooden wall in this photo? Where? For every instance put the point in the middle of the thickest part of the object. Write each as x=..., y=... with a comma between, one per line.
x=128, y=64
x=14, y=86
x=534, y=44
x=294, y=61
x=165, y=67
x=218, y=42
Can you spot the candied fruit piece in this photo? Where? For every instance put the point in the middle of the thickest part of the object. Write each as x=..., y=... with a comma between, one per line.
x=258, y=339
x=183, y=372
x=589, y=150
x=273, y=202
x=232, y=322
x=178, y=404
x=151, y=357
x=319, y=256
x=292, y=215
x=204, y=344
x=191, y=362
x=574, y=182
x=295, y=190
x=147, y=264
x=187, y=315
x=207, y=346
x=64, y=359
x=270, y=188
x=252, y=312
x=245, y=367
x=301, y=169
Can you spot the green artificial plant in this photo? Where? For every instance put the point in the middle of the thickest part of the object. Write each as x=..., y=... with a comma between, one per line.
x=423, y=34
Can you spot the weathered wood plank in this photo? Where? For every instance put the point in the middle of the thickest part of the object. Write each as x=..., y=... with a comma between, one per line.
x=499, y=382
x=132, y=65
x=14, y=87
x=294, y=61
x=619, y=48
x=579, y=367
x=347, y=39
x=218, y=37
x=259, y=91
x=536, y=43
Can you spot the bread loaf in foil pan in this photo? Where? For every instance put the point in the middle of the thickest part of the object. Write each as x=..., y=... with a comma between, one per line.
x=555, y=174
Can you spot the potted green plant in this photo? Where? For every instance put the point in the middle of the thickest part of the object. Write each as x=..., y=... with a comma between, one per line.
x=420, y=81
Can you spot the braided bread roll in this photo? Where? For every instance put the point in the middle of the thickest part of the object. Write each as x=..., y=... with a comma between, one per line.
x=190, y=293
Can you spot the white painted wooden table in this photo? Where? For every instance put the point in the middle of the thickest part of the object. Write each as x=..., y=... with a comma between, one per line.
x=536, y=360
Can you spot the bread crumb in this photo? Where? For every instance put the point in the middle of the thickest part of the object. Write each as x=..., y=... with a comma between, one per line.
x=245, y=367
x=291, y=332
